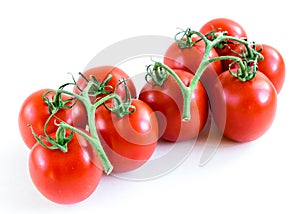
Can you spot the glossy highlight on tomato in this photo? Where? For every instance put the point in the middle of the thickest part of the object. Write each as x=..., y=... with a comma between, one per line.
x=128, y=141
x=65, y=177
x=272, y=66
x=247, y=108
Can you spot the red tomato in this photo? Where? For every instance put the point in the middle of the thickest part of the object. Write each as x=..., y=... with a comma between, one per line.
x=244, y=111
x=272, y=66
x=101, y=73
x=189, y=59
x=128, y=141
x=34, y=111
x=79, y=115
x=167, y=102
x=222, y=24
x=65, y=178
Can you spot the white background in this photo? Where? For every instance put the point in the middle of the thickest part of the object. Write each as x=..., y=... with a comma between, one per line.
x=41, y=41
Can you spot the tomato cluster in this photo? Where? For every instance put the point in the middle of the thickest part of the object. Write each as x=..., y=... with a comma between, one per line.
x=243, y=110
x=103, y=122
x=250, y=106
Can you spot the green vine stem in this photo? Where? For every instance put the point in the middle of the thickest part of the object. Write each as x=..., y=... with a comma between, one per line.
x=62, y=139
x=186, y=91
x=93, y=88
x=93, y=138
x=245, y=72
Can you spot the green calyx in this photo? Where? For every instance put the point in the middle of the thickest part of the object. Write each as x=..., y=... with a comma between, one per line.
x=248, y=63
x=122, y=107
x=60, y=141
x=56, y=102
x=97, y=88
x=245, y=74
x=184, y=39
x=156, y=74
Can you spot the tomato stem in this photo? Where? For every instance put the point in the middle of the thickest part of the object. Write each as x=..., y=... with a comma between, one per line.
x=245, y=72
x=156, y=74
x=186, y=91
x=93, y=138
x=122, y=107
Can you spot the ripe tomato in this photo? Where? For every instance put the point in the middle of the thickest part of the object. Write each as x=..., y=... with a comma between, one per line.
x=79, y=114
x=34, y=111
x=167, y=102
x=189, y=59
x=272, y=66
x=244, y=111
x=222, y=24
x=128, y=141
x=65, y=177
x=101, y=73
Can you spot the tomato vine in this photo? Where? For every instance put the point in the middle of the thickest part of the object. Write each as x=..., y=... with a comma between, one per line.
x=93, y=138
x=247, y=63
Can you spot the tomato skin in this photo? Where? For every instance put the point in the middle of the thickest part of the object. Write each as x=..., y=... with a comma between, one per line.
x=272, y=66
x=167, y=102
x=128, y=141
x=79, y=115
x=223, y=24
x=244, y=110
x=101, y=73
x=65, y=178
x=189, y=59
x=34, y=111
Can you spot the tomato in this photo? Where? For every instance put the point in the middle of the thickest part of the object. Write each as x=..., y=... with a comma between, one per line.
x=65, y=177
x=189, y=59
x=222, y=24
x=34, y=111
x=244, y=111
x=128, y=141
x=101, y=73
x=79, y=114
x=272, y=66
x=167, y=102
